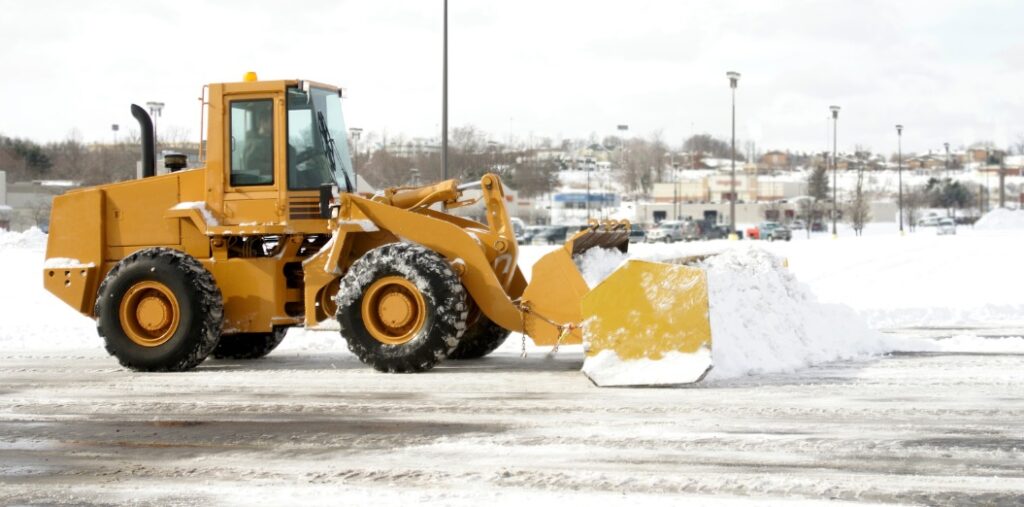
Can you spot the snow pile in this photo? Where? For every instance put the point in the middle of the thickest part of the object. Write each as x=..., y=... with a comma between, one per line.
x=597, y=263
x=32, y=238
x=1001, y=218
x=33, y=318
x=762, y=319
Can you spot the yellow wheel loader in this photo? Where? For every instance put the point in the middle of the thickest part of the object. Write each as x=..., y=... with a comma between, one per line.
x=271, y=233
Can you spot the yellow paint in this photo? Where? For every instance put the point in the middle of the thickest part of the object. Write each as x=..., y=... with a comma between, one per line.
x=645, y=309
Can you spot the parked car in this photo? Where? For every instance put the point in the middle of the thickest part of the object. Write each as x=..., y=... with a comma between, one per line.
x=636, y=233
x=708, y=230
x=518, y=228
x=531, y=231
x=817, y=227
x=552, y=235
x=770, y=231
x=931, y=221
x=672, y=231
x=946, y=226
x=797, y=225
x=665, y=232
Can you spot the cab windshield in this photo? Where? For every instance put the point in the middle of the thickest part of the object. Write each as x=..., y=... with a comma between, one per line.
x=317, y=142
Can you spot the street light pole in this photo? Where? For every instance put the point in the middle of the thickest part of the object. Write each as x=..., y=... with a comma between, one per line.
x=734, y=78
x=586, y=167
x=356, y=132
x=899, y=170
x=948, y=176
x=155, y=109
x=835, y=165
x=444, y=100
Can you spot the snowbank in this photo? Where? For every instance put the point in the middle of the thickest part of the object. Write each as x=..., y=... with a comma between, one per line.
x=763, y=319
x=1001, y=218
x=34, y=319
x=32, y=238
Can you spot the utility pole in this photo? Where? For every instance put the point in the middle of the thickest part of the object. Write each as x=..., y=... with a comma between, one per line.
x=155, y=108
x=948, y=176
x=356, y=133
x=444, y=100
x=835, y=166
x=899, y=170
x=734, y=78
x=1002, y=180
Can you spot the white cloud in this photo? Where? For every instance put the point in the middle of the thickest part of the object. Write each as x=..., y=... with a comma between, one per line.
x=947, y=70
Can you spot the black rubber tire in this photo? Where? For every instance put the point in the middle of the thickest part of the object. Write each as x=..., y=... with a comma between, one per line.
x=480, y=339
x=198, y=298
x=443, y=294
x=248, y=345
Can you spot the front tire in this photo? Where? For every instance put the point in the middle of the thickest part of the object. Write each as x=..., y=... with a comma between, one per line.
x=480, y=339
x=401, y=308
x=159, y=310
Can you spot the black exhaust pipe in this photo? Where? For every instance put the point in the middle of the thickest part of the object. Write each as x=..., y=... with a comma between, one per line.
x=148, y=151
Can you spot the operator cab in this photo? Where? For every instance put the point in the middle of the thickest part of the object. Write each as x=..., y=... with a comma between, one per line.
x=285, y=140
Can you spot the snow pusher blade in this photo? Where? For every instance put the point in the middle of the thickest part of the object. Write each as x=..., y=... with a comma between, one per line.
x=645, y=325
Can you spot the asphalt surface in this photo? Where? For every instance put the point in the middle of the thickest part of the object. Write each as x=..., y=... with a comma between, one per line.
x=318, y=427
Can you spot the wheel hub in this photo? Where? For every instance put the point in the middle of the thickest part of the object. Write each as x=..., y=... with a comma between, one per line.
x=149, y=313
x=396, y=309
x=393, y=310
x=153, y=313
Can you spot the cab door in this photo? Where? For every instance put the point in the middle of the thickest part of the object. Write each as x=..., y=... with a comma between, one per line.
x=255, y=160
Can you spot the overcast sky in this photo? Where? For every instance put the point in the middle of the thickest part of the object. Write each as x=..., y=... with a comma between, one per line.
x=948, y=70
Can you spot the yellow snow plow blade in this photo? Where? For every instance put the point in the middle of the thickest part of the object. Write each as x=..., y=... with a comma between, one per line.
x=647, y=324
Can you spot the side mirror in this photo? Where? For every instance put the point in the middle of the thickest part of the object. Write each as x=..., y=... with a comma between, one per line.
x=326, y=193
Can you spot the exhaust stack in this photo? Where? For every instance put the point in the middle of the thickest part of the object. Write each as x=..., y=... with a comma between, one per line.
x=148, y=150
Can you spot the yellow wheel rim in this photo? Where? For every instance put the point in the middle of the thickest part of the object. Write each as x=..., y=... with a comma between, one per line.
x=393, y=310
x=149, y=313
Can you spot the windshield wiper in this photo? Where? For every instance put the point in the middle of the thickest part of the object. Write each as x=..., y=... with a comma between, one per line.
x=330, y=150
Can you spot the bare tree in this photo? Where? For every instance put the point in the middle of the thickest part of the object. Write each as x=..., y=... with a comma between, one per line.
x=811, y=210
x=914, y=198
x=858, y=210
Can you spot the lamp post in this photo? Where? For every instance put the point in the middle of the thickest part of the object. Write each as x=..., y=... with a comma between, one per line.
x=114, y=128
x=586, y=167
x=734, y=78
x=154, y=110
x=899, y=170
x=444, y=99
x=946, y=145
x=356, y=133
x=835, y=166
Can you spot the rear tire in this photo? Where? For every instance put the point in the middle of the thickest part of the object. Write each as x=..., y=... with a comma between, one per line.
x=401, y=308
x=159, y=310
x=249, y=345
x=482, y=338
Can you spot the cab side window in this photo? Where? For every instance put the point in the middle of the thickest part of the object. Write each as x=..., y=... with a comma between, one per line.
x=252, y=142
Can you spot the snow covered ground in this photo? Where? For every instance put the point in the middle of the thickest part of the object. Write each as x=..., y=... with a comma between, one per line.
x=881, y=369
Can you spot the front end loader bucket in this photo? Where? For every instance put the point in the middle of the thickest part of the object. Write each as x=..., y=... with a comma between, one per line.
x=646, y=324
